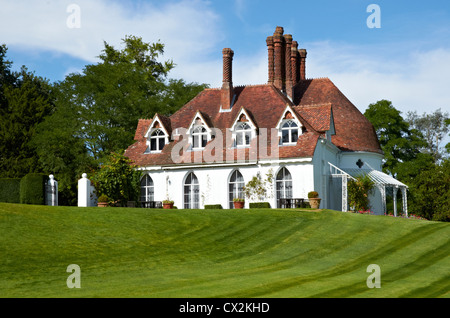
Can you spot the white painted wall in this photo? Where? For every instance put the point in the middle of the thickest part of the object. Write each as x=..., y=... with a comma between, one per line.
x=213, y=180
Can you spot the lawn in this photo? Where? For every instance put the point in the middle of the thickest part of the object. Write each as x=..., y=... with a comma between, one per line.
x=126, y=252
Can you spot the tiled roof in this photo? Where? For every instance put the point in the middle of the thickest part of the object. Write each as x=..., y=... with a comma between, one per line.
x=354, y=132
x=316, y=102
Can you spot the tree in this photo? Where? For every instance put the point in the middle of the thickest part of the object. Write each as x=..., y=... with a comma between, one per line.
x=430, y=192
x=434, y=127
x=398, y=141
x=25, y=101
x=97, y=111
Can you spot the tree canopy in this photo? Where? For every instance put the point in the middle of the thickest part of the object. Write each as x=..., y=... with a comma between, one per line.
x=25, y=101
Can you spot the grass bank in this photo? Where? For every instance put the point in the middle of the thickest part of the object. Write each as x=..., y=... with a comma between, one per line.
x=125, y=252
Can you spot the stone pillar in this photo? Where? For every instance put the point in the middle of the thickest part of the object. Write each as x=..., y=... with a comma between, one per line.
x=86, y=195
x=52, y=191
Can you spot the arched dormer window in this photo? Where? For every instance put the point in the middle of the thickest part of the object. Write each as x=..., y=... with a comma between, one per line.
x=243, y=134
x=157, y=140
x=243, y=129
x=199, y=137
x=289, y=132
x=289, y=127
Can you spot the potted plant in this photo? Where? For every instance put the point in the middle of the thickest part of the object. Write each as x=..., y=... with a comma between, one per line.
x=314, y=199
x=102, y=201
x=167, y=204
x=239, y=203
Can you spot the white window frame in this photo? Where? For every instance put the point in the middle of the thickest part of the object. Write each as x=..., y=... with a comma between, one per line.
x=241, y=133
x=161, y=135
x=198, y=135
x=148, y=188
x=289, y=130
x=235, y=188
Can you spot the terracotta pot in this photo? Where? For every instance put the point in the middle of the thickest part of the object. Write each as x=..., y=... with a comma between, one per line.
x=314, y=202
x=167, y=205
x=102, y=204
x=239, y=204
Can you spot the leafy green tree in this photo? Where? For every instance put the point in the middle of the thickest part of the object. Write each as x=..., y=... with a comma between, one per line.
x=25, y=101
x=97, y=111
x=398, y=141
x=430, y=192
x=118, y=179
x=434, y=128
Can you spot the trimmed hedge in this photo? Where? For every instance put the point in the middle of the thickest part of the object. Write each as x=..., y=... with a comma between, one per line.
x=260, y=205
x=32, y=188
x=10, y=190
x=213, y=207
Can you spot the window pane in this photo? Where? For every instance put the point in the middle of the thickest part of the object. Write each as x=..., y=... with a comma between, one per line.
x=153, y=144
x=195, y=142
x=204, y=140
x=294, y=135
x=161, y=143
x=285, y=136
x=239, y=139
x=247, y=138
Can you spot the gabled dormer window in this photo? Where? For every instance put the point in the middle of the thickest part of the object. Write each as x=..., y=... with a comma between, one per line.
x=199, y=133
x=289, y=132
x=157, y=140
x=243, y=134
x=289, y=127
x=243, y=129
x=199, y=137
x=157, y=136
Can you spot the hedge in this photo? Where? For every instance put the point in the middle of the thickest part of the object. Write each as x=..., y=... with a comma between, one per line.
x=32, y=189
x=213, y=206
x=10, y=190
x=260, y=205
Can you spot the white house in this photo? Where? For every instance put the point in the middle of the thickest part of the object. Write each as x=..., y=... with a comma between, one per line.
x=303, y=132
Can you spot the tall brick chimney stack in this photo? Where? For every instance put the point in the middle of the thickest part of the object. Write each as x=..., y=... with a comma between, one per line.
x=294, y=63
x=302, y=53
x=227, y=92
x=288, y=68
x=270, y=50
x=279, y=56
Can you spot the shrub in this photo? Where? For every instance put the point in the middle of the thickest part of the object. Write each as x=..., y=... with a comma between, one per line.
x=213, y=207
x=32, y=188
x=238, y=200
x=260, y=205
x=358, y=192
x=103, y=198
x=313, y=194
x=10, y=190
x=118, y=179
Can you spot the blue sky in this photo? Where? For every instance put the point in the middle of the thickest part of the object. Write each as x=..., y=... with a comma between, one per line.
x=406, y=60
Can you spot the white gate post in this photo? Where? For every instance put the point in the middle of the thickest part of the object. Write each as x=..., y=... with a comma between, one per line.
x=86, y=196
x=52, y=191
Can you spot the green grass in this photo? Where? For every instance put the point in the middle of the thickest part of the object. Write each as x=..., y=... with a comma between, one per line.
x=125, y=252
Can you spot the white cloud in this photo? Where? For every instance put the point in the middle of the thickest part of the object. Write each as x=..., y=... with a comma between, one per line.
x=187, y=28
x=416, y=80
